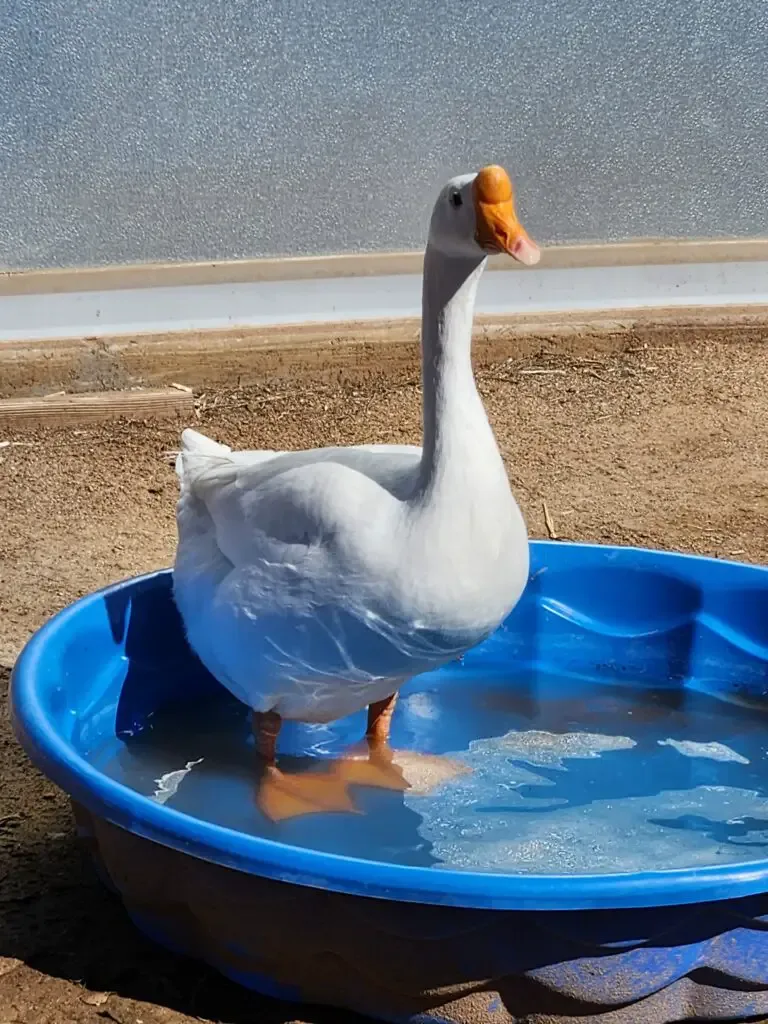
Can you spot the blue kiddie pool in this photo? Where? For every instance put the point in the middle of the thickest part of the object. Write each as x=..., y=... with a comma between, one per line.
x=603, y=857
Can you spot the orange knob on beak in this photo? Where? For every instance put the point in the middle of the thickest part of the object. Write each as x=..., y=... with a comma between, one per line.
x=498, y=229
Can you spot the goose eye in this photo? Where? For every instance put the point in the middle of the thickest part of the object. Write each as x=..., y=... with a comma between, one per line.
x=455, y=198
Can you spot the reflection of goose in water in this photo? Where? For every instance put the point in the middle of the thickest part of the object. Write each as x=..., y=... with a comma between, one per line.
x=315, y=584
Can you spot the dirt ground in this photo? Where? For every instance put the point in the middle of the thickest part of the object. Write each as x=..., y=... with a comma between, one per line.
x=662, y=446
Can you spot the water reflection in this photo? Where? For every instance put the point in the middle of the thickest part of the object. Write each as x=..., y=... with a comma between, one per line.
x=567, y=775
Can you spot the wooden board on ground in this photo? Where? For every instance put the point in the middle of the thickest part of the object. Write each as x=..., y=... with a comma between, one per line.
x=64, y=410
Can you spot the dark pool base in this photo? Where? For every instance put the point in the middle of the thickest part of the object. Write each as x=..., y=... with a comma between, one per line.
x=405, y=962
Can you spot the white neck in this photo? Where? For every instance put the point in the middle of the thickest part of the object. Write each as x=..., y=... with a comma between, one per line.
x=459, y=447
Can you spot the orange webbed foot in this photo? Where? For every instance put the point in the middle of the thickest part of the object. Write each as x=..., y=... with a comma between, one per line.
x=283, y=796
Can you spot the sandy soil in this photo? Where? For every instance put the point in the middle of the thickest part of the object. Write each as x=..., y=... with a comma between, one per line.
x=663, y=447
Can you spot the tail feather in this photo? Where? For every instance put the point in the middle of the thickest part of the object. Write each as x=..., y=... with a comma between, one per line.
x=193, y=441
x=197, y=453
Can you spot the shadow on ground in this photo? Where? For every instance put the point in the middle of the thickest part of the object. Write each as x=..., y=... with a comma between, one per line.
x=73, y=939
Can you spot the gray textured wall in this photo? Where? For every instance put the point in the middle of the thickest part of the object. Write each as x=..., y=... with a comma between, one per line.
x=196, y=129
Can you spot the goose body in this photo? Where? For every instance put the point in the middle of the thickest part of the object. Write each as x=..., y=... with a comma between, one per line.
x=315, y=583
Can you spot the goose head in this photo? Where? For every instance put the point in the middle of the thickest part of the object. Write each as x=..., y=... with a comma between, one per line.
x=475, y=216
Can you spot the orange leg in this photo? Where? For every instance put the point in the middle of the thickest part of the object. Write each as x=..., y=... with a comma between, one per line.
x=380, y=721
x=266, y=728
x=384, y=768
x=284, y=796
x=374, y=764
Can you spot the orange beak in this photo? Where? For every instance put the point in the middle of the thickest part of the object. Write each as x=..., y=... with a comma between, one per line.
x=498, y=229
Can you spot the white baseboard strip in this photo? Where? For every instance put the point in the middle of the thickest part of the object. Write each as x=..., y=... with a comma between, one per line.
x=27, y=315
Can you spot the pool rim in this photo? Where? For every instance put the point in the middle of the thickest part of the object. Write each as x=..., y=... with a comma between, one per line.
x=138, y=814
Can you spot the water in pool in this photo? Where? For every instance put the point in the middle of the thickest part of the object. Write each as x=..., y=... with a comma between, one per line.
x=565, y=777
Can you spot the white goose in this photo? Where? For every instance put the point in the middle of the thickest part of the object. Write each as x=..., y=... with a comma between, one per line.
x=313, y=584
